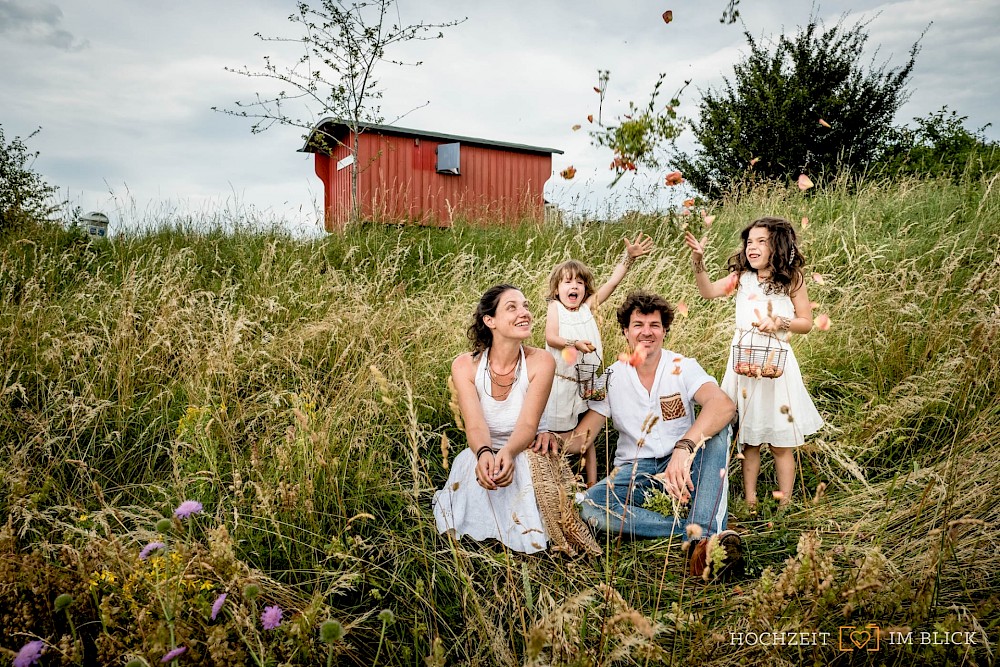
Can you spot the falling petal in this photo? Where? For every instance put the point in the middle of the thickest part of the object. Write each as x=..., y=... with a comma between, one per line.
x=569, y=355
x=590, y=118
x=805, y=222
x=685, y=211
x=677, y=360
x=708, y=220
x=668, y=16
x=754, y=161
x=568, y=173
x=805, y=182
x=732, y=281
x=824, y=123
x=674, y=178
x=814, y=304
x=677, y=370
x=752, y=296
x=818, y=279
x=576, y=127
x=778, y=495
x=454, y=487
x=681, y=308
x=596, y=89
x=688, y=202
x=784, y=409
x=823, y=322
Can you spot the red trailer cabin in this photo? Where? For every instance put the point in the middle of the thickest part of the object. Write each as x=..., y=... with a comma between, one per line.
x=427, y=177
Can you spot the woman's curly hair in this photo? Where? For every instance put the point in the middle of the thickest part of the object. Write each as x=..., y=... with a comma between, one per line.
x=786, y=259
x=480, y=335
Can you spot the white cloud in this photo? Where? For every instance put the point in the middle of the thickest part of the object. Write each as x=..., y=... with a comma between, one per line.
x=129, y=117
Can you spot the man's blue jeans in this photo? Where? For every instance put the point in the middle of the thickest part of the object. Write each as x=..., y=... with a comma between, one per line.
x=608, y=502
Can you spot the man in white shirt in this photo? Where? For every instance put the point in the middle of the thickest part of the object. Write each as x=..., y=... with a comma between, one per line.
x=661, y=443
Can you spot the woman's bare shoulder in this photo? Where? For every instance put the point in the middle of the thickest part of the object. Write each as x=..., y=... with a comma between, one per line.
x=464, y=364
x=537, y=358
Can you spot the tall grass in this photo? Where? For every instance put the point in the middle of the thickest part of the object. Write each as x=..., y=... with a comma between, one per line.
x=297, y=389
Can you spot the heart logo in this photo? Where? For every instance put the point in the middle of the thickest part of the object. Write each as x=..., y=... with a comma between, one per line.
x=860, y=638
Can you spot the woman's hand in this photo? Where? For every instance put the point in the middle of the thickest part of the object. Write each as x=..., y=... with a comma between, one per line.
x=502, y=472
x=643, y=244
x=584, y=346
x=484, y=470
x=697, y=247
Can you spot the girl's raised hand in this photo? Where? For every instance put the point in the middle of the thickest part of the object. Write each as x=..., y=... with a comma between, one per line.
x=643, y=244
x=697, y=247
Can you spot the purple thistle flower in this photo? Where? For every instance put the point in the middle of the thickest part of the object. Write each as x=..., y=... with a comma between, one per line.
x=150, y=548
x=187, y=508
x=271, y=618
x=173, y=654
x=217, y=605
x=29, y=654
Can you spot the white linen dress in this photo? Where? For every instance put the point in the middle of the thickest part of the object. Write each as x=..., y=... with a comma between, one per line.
x=509, y=514
x=563, y=410
x=760, y=401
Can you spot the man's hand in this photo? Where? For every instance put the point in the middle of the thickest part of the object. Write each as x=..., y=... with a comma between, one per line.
x=546, y=442
x=677, y=477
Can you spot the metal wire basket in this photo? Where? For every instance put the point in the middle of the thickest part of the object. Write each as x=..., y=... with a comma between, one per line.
x=592, y=384
x=752, y=359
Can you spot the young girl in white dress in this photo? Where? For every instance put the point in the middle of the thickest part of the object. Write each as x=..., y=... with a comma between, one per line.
x=771, y=304
x=572, y=336
x=502, y=386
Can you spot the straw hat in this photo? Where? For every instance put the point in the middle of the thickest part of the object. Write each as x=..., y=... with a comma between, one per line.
x=554, y=488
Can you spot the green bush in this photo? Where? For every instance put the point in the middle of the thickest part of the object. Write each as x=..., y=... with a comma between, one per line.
x=24, y=195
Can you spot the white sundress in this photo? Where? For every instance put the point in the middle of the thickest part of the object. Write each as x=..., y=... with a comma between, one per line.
x=562, y=412
x=509, y=514
x=765, y=404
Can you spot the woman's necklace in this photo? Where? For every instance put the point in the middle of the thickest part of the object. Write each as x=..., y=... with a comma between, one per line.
x=495, y=378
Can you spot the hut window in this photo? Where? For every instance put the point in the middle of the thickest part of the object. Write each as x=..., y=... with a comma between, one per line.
x=448, y=159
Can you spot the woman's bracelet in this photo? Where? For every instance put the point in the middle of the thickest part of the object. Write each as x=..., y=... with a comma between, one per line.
x=570, y=342
x=784, y=324
x=699, y=266
x=482, y=449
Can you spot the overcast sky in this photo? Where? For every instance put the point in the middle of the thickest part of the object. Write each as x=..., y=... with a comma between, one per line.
x=123, y=90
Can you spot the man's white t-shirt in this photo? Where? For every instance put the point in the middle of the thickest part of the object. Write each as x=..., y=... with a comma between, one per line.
x=658, y=418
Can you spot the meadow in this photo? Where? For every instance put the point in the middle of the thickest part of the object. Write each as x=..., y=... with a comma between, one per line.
x=294, y=391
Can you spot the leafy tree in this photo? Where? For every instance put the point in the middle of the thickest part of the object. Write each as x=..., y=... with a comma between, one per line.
x=805, y=105
x=344, y=42
x=939, y=145
x=636, y=137
x=24, y=195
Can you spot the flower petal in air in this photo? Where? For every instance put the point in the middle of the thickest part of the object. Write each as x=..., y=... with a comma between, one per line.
x=818, y=279
x=681, y=308
x=569, y=355
x=668, y=16
x=823, y=322
x=805, y=182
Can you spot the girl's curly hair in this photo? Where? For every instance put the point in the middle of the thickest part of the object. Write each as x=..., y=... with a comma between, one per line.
x=480, y=335
x=786, y=259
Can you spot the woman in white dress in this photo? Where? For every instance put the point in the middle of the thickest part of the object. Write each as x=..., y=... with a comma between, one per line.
x=502, y=388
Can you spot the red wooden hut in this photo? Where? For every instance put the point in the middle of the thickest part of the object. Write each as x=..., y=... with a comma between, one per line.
x=427, y=177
